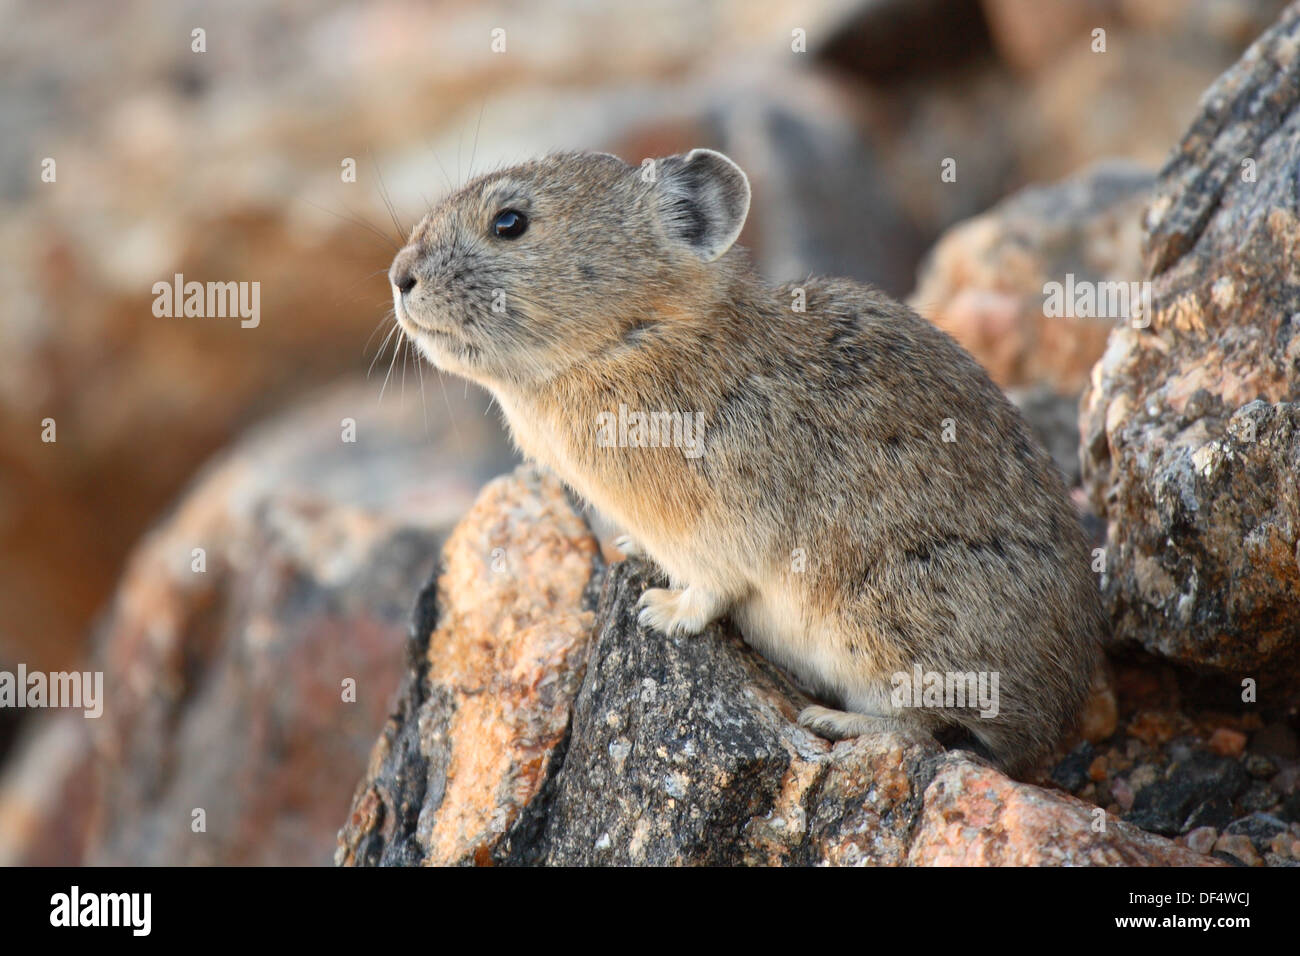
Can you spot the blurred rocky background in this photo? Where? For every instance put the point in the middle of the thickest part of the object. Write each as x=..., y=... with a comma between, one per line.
x=959, y=153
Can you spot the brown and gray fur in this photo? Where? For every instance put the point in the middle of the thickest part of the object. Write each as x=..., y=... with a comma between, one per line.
x=823, y=432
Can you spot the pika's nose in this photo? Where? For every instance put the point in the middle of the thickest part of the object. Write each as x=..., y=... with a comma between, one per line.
x=402, y=273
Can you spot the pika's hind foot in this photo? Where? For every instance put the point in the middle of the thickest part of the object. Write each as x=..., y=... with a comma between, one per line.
x=677, y=613
x=845, y=724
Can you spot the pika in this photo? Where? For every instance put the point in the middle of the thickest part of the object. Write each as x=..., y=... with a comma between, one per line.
x=861, y=499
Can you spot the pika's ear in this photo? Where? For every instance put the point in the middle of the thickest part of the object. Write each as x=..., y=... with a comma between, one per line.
x=703, y=199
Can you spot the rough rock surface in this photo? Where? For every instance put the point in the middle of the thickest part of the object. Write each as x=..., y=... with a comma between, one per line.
x=1191, y=427
x=983, y=283
x=602, y=743
x=975, y=816
x=224, y=682
x=498, y=655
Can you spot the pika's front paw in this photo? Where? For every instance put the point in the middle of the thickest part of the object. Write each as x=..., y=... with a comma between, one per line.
x=678, y=613
x=660, y=611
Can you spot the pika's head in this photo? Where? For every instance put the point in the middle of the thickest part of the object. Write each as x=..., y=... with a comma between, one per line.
x=527, y=272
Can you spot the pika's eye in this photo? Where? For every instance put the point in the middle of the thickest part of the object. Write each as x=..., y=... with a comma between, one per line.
x=510, y=224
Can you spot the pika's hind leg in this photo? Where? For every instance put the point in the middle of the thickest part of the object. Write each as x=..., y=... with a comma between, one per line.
x=843, y=724
x=675, y=613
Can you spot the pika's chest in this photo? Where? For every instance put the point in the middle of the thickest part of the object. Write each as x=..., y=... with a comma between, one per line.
x=550, y=440
x=648, y=487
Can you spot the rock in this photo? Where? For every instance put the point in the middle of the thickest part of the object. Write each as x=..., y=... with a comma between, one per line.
x=1258, y=796
x=1123, y=793
x=986, y=281
x=1217, y=812
x=1259, y=766
x=1144, y=776
x=1286, y=846
x=1191, y=427
x=227, y=670
x=1194, y=792
x=1101, y=715
x=692, y=746
x=1202, y=839
x=1226, y=24
x=1154, y=727
x=974, y=816
x=1227, y=743
x=1237, y=848
x=140, y=402
x=1261, y=828
x=535, y=727
x=501, y=643
x=1098, y=769
x=1044, y=106
x=1185, y=785
x=1072, y=772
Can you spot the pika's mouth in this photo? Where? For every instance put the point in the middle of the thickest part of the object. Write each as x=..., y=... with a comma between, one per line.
x=416, y=328
x=437, y=342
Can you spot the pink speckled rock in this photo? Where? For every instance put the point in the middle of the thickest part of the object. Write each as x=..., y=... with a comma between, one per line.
x=975, y=816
